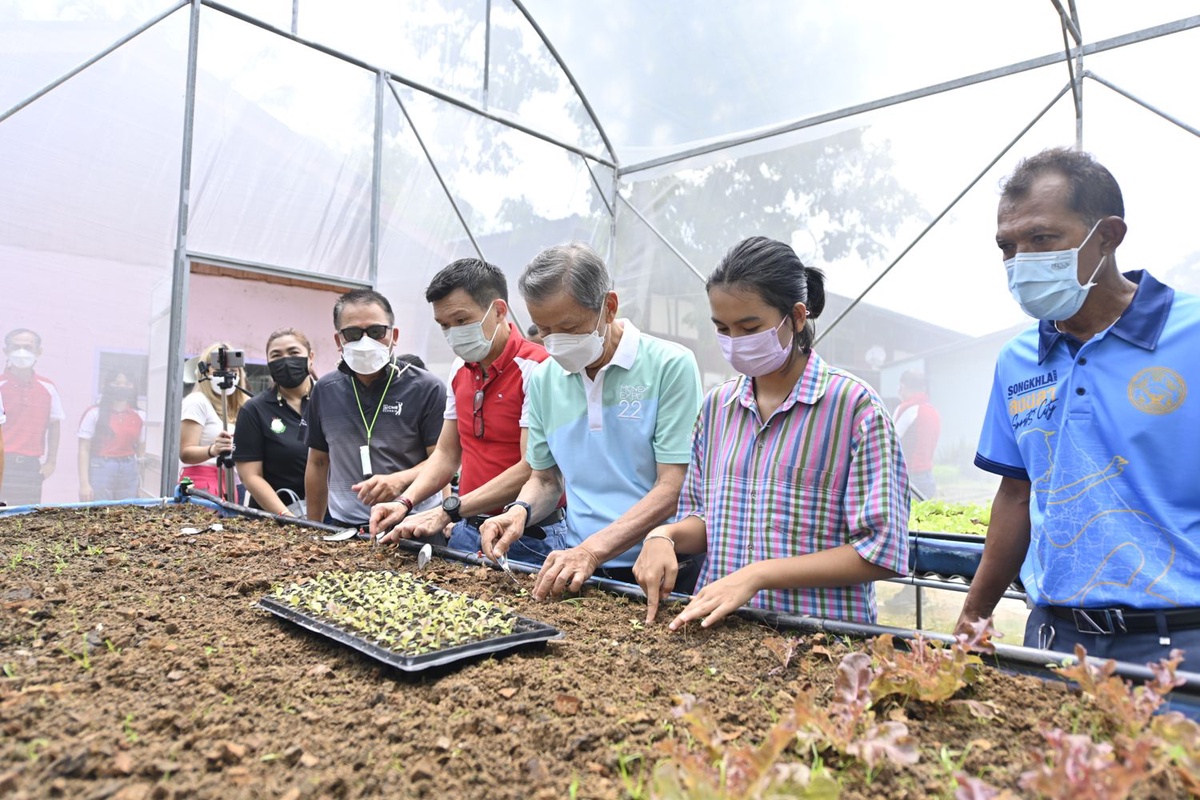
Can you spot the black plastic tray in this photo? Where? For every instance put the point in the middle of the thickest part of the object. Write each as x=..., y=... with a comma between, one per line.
x=526, y=631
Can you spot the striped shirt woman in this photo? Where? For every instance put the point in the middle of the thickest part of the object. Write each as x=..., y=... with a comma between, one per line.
x=797, y=487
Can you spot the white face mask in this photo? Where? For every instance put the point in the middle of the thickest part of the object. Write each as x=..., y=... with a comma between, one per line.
x=22, y=358
x=1046, y=285
x=468, y=342
x=574, y=351
x=366, y=356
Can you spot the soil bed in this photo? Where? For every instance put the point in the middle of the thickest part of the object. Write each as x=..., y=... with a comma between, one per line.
x=136, y=667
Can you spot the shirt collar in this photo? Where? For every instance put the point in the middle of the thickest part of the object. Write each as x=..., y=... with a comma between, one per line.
x=811, y=387
x=626, y=352
x=627, y=348
x=1141, y=324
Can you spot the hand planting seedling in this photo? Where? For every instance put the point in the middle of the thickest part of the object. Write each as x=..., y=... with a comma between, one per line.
x=397, y=611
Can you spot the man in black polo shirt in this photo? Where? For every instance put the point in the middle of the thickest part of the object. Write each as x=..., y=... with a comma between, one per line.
x=371, y=423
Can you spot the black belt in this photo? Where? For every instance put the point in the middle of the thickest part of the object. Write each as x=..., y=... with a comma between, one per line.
x=534, y=531
x=17, y=458
x=1108, y=621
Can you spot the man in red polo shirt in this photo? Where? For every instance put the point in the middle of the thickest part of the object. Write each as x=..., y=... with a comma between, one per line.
x=485, y=427
x=33, y=414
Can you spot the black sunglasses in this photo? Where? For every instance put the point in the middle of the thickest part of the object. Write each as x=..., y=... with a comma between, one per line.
x=354, y=333
x=479, y=413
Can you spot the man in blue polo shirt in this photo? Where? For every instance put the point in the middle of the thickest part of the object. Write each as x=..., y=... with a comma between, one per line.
x=610, y=420
x=1090, y=426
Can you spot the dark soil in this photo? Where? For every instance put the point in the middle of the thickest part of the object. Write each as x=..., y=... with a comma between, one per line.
x=136, y=667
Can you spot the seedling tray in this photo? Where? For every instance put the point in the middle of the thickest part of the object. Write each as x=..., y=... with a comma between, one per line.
x=525, y=631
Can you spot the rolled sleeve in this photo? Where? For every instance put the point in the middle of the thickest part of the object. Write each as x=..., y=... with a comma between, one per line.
x=691, y=496
x=876, y=499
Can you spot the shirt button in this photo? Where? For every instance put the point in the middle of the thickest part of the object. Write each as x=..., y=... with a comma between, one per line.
x=1081, y=390
x=1082, y=361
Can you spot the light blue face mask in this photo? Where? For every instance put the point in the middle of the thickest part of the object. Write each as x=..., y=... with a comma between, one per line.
x=1046, y=285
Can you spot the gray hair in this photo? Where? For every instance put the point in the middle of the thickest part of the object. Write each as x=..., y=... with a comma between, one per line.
x=575, y=268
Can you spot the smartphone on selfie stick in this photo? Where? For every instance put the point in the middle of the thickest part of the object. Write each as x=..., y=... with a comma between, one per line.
x=220, y=371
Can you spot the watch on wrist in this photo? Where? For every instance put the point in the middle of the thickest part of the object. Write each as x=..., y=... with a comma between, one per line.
x=528, y=509
x=451, y=506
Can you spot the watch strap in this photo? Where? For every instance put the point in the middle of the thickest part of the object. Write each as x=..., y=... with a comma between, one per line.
x=528, y=509
x=452, y=505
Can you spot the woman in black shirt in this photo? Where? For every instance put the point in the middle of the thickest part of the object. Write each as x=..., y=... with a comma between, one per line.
x=269, y=448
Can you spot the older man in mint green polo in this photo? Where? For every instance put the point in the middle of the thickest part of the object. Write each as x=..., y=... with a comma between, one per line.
x=610, y=421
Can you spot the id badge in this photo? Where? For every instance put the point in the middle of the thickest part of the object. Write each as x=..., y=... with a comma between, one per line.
x=364, y=455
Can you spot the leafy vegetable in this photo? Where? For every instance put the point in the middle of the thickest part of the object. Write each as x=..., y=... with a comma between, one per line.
x=397, y=611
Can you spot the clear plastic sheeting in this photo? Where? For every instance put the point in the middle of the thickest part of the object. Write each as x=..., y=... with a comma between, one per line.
x=89, y=182
x=436, y=43
x=516, y=193
x=42, y=41
x=660, y=133
x=283, y=153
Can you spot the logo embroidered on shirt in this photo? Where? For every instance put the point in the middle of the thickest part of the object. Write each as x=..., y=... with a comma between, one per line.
x=392, y=408
x=1157, y=390
x=631, y=400
x=277, y=425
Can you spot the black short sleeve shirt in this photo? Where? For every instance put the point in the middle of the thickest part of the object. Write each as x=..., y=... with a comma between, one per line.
x=268, y=430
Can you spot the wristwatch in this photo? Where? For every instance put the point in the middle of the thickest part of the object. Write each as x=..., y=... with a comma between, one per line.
x=451, y=505
x=528, y=509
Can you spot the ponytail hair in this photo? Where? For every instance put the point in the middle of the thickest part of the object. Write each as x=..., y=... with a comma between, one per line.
x=773, y=271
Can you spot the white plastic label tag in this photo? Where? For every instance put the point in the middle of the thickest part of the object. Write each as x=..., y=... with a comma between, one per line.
x=364, y=455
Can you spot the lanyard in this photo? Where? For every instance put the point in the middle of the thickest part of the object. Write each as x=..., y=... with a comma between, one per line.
x=382, y=398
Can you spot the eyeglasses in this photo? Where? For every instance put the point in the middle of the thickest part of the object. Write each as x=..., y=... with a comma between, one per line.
x=354, y=333
x=479, y=413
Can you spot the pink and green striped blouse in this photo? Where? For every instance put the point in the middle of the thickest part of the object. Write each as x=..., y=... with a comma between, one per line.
x=823, y=471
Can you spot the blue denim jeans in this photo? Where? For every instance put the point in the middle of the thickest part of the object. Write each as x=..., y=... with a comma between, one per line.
x=113, y=478
x=527, y=550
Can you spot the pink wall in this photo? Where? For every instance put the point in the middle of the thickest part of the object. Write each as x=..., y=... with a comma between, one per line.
x=245, y=312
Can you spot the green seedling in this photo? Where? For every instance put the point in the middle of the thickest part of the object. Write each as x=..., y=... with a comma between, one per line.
x=82, y=658
x=131, y=735
x=397, y=611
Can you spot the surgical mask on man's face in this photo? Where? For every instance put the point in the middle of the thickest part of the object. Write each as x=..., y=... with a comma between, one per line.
x=574, y=351
x=366, y=356
x=22, y=358
x=756, y=354
x=1046, y=285
x=468, y=342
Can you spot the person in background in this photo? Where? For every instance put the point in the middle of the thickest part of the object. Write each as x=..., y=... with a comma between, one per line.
x=34, y=412
x=918, y=425
x=487, y=440
x=203, y=436
x=610, y=420
x=371, y=424
x=412, y=358
x=112, y=441
x=532, y=334
x=1091, y=427
x=269, y=450
x=796, y=488
x=2, y=418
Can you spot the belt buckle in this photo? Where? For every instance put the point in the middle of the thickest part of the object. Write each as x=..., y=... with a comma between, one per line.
x=1101, y=621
